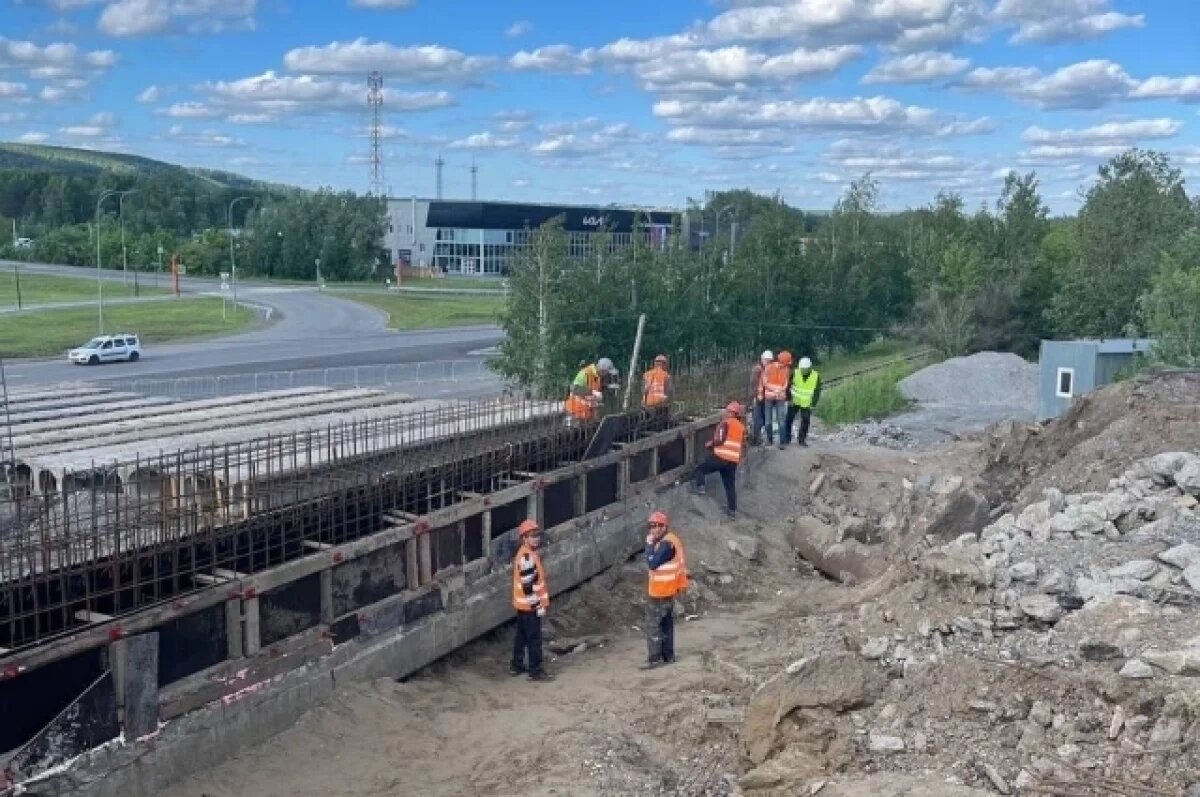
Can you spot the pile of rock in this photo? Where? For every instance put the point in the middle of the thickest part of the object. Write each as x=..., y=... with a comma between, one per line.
x=1122, y=567
x=872, y=433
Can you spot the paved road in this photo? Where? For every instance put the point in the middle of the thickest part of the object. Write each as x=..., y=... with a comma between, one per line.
x=307, y=329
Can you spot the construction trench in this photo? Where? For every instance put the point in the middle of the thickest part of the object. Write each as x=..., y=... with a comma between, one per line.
x=1013, y=610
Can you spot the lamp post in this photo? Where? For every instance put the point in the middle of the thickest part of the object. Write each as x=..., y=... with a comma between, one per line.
x=159, y=274
x=317, y=262
x=731, y=210
x=99, y=281
x=121, y=216
x=232, y=259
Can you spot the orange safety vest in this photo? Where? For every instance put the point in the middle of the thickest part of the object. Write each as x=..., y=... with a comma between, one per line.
x=583, y=407
x=527, y=569
x=774, y=382
x=731, y=449
x=671, y=577
x=655, y=382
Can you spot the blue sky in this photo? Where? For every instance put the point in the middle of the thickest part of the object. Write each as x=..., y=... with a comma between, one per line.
x=616, y=101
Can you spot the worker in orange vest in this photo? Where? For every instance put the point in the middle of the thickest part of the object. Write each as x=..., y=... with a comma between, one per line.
x=585, y=395
x=531, y=598
x=656, y=384
x=668, y=578
x=774, y=393
x=725, y=452
x=757, y=407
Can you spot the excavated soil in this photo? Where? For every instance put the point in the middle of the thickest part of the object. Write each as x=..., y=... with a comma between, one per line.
x=877, y=663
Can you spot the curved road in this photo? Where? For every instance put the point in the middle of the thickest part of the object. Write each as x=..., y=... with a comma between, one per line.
x=307, y=328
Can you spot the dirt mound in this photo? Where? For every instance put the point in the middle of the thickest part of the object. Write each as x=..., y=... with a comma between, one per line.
x=1100, y=436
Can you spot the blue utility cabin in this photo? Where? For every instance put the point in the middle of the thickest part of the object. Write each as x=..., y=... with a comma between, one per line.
x=1071, y=368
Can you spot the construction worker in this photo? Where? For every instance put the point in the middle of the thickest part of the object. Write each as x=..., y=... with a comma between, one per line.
x=585, y=395
x=774, y=391
x=668, y=577
x=758, y=408
x=531, y=598
x=725, y=452
x=656, y=384
x=806, y=392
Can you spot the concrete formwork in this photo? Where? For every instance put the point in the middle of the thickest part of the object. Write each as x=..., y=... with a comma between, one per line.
x=383, y=605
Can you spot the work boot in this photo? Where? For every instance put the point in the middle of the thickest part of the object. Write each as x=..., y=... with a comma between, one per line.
x=650, y=665
x=514, y=670
x=541, y=675
x=802, y=443
x=731, y=514
x=782, y=445
x=694, y=490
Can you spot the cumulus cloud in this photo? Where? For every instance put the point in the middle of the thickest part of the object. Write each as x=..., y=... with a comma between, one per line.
x=204, y=138
x=586, y=137
x=425, y=63
x=56, y=60
x=485, y=140
x=922, y=67
x=11, y=90
x=132, y=18
x=1087, y=84
x=149, y=94
x=1124, y=131
x=190, y=110
x=553, y=58
x=861, y=113
x=96, y=126
x=1041, y=22
x=519, y=29
x=734, y=65
x=32, y=137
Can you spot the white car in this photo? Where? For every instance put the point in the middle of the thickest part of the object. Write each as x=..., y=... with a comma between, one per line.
x=106, y=349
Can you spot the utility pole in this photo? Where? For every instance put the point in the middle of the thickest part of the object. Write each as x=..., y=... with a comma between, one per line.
x=121, y=215
x=637, y=348
x=474, y=180
x=232, y=259
x=99, y=280
x=375, y=102
x=438, y=165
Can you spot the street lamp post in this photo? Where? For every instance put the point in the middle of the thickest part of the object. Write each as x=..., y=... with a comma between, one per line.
x=159, y=274
x=121, y=215
x=317, y=262
x=99, y=281
x=730, y=209
x=232, y=259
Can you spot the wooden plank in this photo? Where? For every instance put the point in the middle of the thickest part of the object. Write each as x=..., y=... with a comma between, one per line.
x=85, y=616
x=229, y=575
x=314, y=545
x=208, y=580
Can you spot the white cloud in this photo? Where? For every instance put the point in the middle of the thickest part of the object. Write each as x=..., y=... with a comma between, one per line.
x=149, y=94
x=190, y=110
x=10, y=90
x=733, y=65
x=923, y=67
x=205, y=138
x=1127, y=131
x=552, y=58
x=383, y=4
x=429, y=62
x=275, y=95
x=97, y=126
x=485, y=140
x=520, y=183
x=32, y=137
x=1087, y=84
x=730, y=137
x=862, y=113
x=559, y=143
x=903, y=23
x=1044, y=22
x=56, y=60
x=8, y=117
x=518, y=29
x=131, y=18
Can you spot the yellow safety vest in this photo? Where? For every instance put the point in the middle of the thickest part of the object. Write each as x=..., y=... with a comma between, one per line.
x=804, y=388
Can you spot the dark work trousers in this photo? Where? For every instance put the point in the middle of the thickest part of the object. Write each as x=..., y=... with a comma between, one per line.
x=758, y=420
x=728, y=471
x=528, y=639
x=660, y=629
x=805, y=420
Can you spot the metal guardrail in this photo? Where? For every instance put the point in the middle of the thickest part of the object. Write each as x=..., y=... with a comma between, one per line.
x=385, y=377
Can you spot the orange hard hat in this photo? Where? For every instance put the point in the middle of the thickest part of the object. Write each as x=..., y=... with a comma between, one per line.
x=527, y=527
x=734, y=407
x=785, y=357
x=662, y=358
x=658, y=518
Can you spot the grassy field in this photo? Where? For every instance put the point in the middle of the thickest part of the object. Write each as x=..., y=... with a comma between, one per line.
x=431, y=312
x=52, y=332
x=489, y=284
x=40, y=289
x=872, y=395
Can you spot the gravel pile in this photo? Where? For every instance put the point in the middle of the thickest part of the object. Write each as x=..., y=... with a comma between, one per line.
x=871, y=433
x=986, y=378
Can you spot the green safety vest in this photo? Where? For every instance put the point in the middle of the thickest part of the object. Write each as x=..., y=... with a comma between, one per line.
x=804, y=388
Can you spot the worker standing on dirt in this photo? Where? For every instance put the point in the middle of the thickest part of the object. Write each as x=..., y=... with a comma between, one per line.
x=756, y=400
x=668, y=578
x=586, y=395
x=806, y=392
x=531, y=598
x=725, y=452
x=656, y=384
x=775, y=393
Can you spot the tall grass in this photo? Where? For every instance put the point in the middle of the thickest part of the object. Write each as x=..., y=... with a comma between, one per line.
x=872, y=395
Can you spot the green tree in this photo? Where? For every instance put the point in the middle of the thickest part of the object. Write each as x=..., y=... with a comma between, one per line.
x=1170, y=309
x=1133, y=213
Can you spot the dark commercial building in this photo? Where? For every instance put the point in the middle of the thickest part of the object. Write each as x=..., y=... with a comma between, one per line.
x=480, y=238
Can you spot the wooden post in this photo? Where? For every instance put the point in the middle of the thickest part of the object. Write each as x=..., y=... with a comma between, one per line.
x=637, y=347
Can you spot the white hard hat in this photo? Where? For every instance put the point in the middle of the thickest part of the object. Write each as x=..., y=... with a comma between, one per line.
x=605, y=364
x=767, y=355
x=805, y=362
